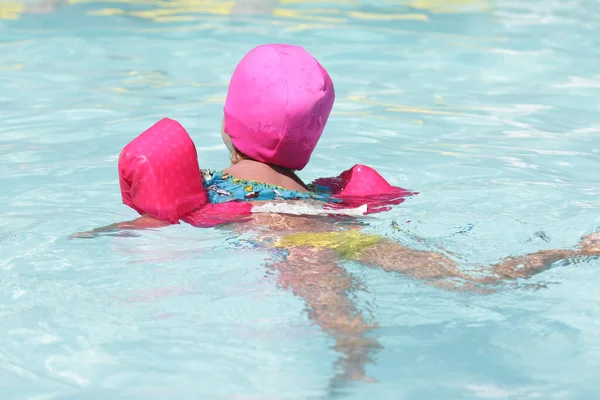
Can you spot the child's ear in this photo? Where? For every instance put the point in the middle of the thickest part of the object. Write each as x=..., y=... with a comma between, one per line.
x=227, y=140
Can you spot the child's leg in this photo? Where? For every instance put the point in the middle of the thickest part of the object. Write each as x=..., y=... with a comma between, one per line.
x=590, y=244
x=531, y=264
x=419, y=264
x=314, y=275
x=436, y=267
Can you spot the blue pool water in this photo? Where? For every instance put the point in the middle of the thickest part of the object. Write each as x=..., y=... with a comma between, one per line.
x=488, y=109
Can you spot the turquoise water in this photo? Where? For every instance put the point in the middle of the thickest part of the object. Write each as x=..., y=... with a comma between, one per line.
x=489, y=110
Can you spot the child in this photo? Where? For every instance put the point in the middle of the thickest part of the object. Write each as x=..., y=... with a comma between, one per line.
x=278, y=103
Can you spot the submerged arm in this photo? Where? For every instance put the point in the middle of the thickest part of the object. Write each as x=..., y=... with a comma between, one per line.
x=143, y=222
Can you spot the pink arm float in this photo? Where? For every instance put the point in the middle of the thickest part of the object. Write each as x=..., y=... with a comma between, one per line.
x=159, y=176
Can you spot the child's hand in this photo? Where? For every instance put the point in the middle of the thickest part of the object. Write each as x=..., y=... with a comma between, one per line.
x=82, y=235
x=121, y=229
x=94, y=233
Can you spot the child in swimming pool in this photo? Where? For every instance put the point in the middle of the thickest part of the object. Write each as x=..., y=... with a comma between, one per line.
x=278, y=103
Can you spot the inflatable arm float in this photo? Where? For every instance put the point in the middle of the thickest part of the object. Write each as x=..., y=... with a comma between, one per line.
x=159, y=176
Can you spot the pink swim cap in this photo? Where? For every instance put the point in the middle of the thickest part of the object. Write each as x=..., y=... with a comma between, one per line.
x=278, y=103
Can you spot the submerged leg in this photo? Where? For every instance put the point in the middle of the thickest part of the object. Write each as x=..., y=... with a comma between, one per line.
x=440, y=270
x=531, y=264
x=314, y=275
x=434, y=268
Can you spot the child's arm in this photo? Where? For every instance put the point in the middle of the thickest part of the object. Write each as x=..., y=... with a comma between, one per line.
x=143, y=222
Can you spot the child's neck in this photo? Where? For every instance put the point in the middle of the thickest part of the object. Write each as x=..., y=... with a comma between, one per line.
x=266, y=173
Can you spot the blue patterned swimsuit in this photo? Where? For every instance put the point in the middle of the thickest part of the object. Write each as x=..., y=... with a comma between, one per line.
x=222, y=187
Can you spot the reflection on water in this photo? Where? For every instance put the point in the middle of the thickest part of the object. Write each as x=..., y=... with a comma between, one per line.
x=183, y=10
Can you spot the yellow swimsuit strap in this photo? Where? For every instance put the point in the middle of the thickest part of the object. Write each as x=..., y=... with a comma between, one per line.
x=348, y=244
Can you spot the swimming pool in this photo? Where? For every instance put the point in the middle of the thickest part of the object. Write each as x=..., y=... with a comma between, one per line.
x=489, y=110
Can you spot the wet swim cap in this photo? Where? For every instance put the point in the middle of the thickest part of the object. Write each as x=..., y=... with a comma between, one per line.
x=278, y=103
